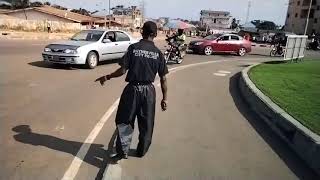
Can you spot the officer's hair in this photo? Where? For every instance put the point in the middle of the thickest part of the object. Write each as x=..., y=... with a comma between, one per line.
x=149, y=29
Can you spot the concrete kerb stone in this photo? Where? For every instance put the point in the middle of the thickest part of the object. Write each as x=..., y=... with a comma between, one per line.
x=302, y=140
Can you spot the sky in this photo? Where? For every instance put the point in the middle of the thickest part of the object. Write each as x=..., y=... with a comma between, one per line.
x=273, y=10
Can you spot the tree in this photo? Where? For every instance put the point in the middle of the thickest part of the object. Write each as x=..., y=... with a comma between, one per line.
x=59, y=7
x=36, y=4
x=47, y=3
x=19, y=4
x=267, y=25
x=264, y=25
x=5, y=5
x=81, y=11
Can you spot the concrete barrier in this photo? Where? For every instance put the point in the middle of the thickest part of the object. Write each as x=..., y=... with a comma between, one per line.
x=303, y=141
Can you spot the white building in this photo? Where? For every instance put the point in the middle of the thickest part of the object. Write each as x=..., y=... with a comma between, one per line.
x=215, y=19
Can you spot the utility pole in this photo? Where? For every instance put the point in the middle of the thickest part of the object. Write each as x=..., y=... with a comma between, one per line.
x=248, y=11
x=307, y=23
x=142, y=12
x=109, y=14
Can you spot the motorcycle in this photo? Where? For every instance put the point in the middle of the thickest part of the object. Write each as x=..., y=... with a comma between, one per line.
x=277, y=50
x=314, y=45
x=172, y=54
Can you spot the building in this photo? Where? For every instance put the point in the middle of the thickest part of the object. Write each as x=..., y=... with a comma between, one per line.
x=48, y=13
x=3, y=11
x=297, y=16
x=127, y=16
x=215, y=19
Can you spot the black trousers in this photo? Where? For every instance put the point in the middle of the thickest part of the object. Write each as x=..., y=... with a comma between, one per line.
x=136, y=101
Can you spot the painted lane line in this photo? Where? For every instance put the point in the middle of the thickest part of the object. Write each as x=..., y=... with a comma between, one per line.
x=219, y=74
x=114, y=172
x=78, y=159
x=74, y=167
x=224, y=72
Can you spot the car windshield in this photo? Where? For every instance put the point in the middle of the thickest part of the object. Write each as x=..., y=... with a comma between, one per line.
x=87, y=36
x=212, y=37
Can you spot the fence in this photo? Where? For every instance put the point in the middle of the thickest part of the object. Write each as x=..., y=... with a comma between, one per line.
x=38, y=26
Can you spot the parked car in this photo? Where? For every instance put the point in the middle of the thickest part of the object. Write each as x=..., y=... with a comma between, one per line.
x=230, y=43
x=89, y=47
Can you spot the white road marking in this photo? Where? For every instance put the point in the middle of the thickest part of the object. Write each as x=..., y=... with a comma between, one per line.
x=33, y=84
x=224, y=72
x=78, y=159
x=219, y=74
x=59, y=128
x=115, y=171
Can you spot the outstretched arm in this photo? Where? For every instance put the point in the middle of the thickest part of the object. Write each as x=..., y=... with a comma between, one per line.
x=118, y=73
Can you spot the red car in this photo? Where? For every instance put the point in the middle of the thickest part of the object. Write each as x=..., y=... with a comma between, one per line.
x=229, y=43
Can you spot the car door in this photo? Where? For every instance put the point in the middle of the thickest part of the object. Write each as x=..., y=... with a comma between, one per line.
x=235, y=43
x=123, y=41
x=109, y=45
x=222, y=44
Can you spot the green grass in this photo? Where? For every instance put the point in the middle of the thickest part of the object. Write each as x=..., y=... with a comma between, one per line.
x=295, y=87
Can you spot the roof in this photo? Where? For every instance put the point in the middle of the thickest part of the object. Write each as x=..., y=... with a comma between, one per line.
x=2, y=11
x=60, y=13
x=215, y=12
x=107, y=21
x=4, y=16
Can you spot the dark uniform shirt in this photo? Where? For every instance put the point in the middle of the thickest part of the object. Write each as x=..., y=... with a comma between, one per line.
x=143, y=60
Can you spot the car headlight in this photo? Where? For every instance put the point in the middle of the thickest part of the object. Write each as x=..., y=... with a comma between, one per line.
x=198, y=43
x=47, y=50
x=70, y=51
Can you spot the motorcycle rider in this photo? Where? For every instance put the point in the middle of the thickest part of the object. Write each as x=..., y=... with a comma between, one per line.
x=179, y=39
x=314, y=42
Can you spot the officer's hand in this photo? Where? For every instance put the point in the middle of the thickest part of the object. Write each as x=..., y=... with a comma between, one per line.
x=164, y=105
x=102, y=80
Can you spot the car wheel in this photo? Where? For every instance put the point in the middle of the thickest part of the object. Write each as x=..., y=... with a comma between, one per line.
x=242, y=51
x=92, y=60
x=208, y=50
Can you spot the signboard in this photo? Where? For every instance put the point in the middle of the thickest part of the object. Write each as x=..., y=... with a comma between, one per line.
x=296, y=46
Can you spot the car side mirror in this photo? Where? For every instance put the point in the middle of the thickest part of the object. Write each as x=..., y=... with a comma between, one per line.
x=106, y=41
x=218, y=40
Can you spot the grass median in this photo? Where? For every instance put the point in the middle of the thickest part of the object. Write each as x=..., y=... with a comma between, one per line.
x=295, y=87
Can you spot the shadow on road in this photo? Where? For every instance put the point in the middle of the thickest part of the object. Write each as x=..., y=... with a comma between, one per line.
x=294, y=163
x=95, y=153
x=262, y=55
x=42, y=64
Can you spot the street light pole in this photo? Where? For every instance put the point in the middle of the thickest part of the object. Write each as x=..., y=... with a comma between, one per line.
x=109, y=15
x=307, y=23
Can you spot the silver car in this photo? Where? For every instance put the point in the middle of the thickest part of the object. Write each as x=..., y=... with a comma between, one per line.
x=89, y=47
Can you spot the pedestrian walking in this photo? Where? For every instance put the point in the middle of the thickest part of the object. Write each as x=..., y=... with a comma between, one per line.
x=48, y=26
x=143, y=61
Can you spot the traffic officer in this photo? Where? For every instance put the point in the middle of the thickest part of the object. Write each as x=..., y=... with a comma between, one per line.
x=143, y=61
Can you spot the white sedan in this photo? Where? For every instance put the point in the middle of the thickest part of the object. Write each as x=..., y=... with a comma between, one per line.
x=89, y=47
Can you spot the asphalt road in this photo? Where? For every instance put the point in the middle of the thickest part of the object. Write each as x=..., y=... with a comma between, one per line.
x=48, y=112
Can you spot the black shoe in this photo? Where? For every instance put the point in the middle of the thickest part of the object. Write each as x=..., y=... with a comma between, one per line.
x=139, y=154
x=118, y=157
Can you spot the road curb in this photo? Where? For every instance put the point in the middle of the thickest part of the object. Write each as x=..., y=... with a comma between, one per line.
x=302, y=140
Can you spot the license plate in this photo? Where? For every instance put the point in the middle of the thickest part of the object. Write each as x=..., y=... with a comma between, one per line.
x=55, y=58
